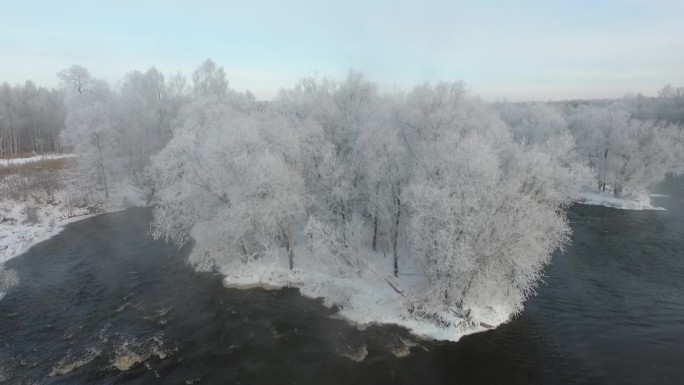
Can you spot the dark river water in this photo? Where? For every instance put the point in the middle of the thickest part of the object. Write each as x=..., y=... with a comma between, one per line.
x=103, y=303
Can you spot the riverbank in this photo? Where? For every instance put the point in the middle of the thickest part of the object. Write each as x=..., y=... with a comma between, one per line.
x=634, y=201
x=362, y=299
x=23, y=224
x=42, y=193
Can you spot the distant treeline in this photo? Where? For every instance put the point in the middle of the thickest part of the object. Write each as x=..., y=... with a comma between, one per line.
x=31, y=119
x=667, y=106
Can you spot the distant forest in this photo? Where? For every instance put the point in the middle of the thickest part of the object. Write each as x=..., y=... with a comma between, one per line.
x=31, y=119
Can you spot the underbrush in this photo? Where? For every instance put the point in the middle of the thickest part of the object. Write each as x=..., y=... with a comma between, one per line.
x=46, y=183
x=32, y=184
x=49, y=165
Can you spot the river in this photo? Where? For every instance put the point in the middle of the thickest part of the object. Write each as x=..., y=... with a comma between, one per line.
x=104, y=303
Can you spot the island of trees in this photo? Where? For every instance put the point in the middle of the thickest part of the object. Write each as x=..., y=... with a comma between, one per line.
x=428, y=208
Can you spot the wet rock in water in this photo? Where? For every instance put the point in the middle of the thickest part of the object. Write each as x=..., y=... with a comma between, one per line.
x=68, y=365
x=359, y=354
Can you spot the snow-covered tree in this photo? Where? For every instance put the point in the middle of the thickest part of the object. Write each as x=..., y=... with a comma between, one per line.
x=626, y=154
x=533, y=122
x=220, y=182
x=337, y=176
x=208, y=79
x=145, y=111
x=483, y=214
x=90, y=122
x=670, y=104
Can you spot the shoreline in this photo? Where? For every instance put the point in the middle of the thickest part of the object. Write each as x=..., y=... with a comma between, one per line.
x=641, y=201
x=368, y=304
x=25, y=236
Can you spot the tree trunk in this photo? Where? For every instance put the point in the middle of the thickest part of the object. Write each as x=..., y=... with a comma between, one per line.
x=104, y=181
x=244, y=249
x=288, y=246
x=34, y=136
x=344, y=220
x=103, y=174
x=617, y=190
x=396, y=236
x=375, y=231
x=54, y=135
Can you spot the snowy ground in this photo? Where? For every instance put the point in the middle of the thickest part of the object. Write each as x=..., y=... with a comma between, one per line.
x=21, y=161
x=371, y=297
x=17, y=234
x=633, y=201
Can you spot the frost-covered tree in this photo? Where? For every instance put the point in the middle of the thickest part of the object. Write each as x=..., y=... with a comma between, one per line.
x=31, y=119
x=222, y=182
x=386, y=166
x=208, y=79
x=115, y=132
x=533, y=122
x=625, y=153
x=483, y=210
x=78, y=79
x=145, y=112
x=338, y=176
x=90, y=122
x=339, y=109
x=670, y=104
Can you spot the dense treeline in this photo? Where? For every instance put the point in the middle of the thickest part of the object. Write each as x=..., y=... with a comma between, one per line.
x=31, y=119
x=667, y=106
x=136, y=122
x=115, y=132
x=625, y=154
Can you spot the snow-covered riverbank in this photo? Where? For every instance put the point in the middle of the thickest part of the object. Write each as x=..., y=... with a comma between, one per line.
x=363, y=300
x=635, y=201
x=35, y=203
x=24, y=224
x=18, y=232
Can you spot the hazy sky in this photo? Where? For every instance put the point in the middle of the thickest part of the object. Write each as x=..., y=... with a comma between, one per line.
x=517, y=50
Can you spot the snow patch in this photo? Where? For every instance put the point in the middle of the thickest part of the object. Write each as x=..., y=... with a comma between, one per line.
x=658, y=196
x=19, y=231
x=633, y=201
x=33, y=159
x=362, y=301
x=17, y=235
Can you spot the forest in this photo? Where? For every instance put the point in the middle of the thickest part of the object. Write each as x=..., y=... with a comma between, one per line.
x=433, y=199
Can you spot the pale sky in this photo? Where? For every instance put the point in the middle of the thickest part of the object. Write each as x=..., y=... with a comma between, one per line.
x=517, y=50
